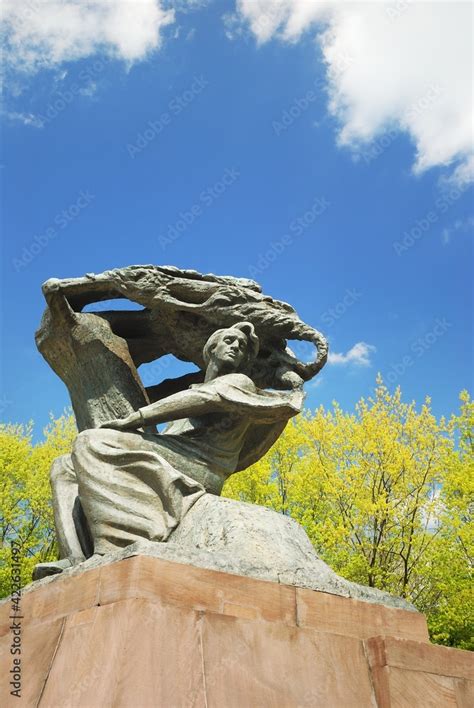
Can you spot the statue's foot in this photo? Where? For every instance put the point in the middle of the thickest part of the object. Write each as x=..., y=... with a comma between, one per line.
x=42, y=570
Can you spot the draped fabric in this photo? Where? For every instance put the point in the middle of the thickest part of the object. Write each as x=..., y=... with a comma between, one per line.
x=136, y=485
x=128, y=491
x=258, y=418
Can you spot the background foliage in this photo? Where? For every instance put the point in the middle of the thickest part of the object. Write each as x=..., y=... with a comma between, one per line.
x=26, y=513
x=384, y=493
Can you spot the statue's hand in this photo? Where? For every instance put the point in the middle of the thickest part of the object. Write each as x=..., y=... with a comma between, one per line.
x=290, y=380
x=52, y=285
x=129, y=423
x=118, y=424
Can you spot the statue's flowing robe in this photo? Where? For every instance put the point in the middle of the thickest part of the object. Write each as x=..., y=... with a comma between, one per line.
x=136, y=485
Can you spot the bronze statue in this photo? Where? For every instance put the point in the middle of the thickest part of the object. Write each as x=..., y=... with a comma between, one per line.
x=124, y=481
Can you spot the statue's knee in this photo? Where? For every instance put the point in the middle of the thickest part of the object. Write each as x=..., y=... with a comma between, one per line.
x=61, y=469
x=83, y=439
x=87, y=442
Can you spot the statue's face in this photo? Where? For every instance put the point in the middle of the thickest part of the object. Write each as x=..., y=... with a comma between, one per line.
x=231, y=349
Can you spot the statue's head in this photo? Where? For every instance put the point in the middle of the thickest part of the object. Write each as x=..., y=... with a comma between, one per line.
x=231, y=349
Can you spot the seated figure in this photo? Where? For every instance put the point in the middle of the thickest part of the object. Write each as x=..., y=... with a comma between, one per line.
x=123, y=483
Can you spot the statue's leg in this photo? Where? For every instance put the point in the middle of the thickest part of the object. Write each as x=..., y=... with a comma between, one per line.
x=129, y=491
x=72, y=532
x=68, y=516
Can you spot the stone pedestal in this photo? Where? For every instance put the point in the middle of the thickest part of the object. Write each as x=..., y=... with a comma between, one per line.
x=148, y=632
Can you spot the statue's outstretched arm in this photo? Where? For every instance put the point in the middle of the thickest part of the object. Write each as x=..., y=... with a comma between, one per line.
x=185, y=404
x=218, y=396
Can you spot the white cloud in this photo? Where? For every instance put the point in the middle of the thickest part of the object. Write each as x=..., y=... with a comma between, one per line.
x=359, y=354
x=41, y=34
x=25, y=118
x=458, y=225
x=89, y=90
x=389, y=64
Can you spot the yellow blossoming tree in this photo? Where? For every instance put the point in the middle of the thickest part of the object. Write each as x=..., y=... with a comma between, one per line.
x=384, y=494
x=26, y=515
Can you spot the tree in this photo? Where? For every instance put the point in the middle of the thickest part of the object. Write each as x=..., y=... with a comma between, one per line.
x=26, y=515
x=383, y=494
x=451, y=608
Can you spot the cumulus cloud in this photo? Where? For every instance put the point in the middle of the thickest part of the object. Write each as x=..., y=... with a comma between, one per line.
x=406, y=65
x=359, y=354
x=39, y=34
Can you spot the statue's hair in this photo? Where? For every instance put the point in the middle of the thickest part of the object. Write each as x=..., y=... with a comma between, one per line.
x=246, y=327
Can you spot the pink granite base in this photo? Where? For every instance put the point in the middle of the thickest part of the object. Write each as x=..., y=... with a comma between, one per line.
x=147, y=632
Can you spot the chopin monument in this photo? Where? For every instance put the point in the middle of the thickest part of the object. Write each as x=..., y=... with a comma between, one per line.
x=127, y=483
x=165, y=593
x=124, y=482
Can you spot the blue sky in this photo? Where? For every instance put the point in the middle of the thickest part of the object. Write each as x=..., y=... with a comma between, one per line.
x=219, y=149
